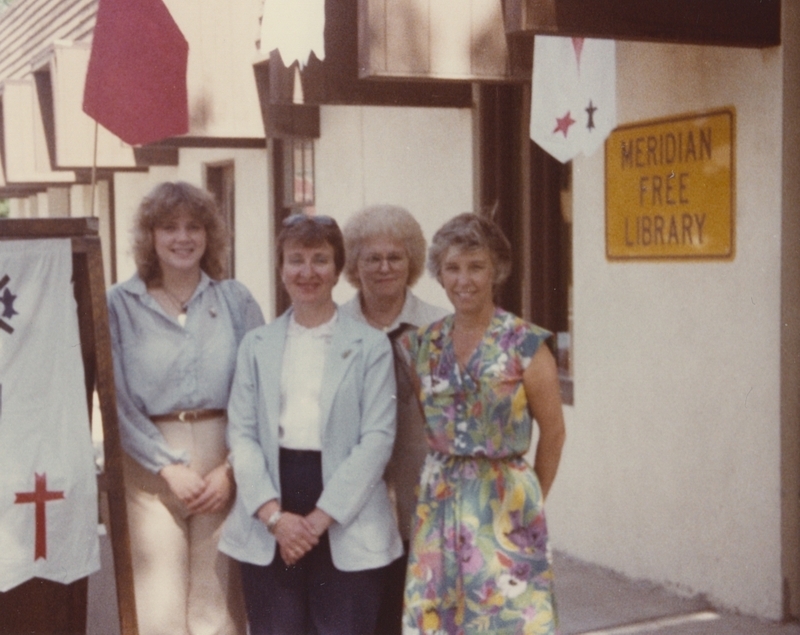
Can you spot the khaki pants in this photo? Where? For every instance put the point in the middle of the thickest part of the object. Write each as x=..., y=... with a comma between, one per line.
x=183, y=585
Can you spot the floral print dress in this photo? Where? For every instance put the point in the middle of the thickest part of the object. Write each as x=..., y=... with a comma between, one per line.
x=479, y=559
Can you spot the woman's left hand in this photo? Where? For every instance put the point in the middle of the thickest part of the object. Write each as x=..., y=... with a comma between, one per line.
x=218, y=491
x=544, y=398
x=319, y=521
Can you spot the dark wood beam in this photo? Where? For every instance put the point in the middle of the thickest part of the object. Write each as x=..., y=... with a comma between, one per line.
x=281, y=117
x=242, y=143
x=741, y=23
x=21, y=191
x=53, y=228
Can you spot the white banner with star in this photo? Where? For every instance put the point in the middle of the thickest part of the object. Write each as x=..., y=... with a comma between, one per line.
x=573, y=94
x=48, y=489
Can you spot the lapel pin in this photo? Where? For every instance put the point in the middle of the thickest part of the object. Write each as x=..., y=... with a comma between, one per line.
x=346, y=354
x=212, y=313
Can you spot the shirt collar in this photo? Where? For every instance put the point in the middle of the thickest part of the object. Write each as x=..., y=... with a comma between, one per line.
x=136, y=285
x=324, y=330
x=406, y=316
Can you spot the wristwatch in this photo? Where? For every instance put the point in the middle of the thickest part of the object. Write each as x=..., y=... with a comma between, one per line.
x=272, y=521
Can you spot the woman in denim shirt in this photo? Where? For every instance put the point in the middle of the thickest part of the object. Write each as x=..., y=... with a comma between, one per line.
x=176, y=326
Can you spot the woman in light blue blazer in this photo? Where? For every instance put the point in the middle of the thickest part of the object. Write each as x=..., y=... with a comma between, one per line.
x=311, y=428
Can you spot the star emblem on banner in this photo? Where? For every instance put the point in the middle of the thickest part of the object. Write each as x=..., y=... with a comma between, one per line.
x=563, y=124
x=590, y=110
x=7, y=300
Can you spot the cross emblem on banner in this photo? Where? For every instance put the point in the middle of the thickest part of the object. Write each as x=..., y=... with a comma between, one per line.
x=39, y=497
x=7, y=300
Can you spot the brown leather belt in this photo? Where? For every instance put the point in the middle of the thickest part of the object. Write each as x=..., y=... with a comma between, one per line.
x=189, y=416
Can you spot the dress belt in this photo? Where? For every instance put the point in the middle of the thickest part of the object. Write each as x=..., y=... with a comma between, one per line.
x=189, y=416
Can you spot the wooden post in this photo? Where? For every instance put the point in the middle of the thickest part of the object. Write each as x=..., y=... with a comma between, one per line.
x=89, y=288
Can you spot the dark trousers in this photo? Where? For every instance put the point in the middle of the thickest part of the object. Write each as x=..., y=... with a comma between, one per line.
x=390, y=614
x=312, y=596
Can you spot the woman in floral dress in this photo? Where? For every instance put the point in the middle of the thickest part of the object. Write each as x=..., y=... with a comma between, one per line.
x=479, y=557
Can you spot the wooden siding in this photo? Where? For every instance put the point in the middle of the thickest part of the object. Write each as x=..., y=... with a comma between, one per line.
x=29, y=28
x=433, y=39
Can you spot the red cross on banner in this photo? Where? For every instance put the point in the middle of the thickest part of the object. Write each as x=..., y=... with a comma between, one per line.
x=39, y=497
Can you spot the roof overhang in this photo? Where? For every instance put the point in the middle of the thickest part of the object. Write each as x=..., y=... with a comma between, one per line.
x=71, y=132
x=743, y=23
x=47, y=140
x=23, y=154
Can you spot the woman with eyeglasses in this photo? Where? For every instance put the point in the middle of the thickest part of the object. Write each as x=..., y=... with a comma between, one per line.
x=312, y=423
x=175, y=327
x=385, y=256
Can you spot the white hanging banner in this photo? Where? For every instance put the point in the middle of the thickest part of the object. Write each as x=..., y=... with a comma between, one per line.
x=295, y=27
x=573, y=94
x=48, y=490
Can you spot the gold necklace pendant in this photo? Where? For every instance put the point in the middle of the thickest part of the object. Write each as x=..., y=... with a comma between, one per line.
x=182, y=306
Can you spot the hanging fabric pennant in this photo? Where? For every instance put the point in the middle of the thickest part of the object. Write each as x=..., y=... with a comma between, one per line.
x=295, y=27
x=136, y=81
x=48, y=492
x=573, y=94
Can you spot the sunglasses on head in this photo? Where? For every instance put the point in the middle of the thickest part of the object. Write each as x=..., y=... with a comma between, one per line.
x=301, y=217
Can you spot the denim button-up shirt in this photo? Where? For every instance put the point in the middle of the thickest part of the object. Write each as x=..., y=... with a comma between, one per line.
x=162, y=367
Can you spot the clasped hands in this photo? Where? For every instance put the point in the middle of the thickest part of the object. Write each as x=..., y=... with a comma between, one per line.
x=296, y=534
x=201, y=495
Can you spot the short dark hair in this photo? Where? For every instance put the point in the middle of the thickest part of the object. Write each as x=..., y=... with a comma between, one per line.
x=163, y=203
x=471, y=231
x=311, y=230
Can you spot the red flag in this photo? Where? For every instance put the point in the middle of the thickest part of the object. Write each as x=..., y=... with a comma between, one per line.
x=136, y=81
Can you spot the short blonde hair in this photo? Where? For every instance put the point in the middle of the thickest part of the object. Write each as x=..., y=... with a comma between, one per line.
x=390, y=221
x=165, y=201
x=471, y=231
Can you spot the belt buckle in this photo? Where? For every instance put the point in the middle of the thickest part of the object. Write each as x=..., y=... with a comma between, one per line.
x=182, y=416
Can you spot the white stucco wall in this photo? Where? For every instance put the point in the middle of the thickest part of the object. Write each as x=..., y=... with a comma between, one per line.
x=671, y=469
x=419, y=158
x=222, y=35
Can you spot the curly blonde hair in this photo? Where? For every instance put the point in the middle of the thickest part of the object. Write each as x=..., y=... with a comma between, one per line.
x=377, y=221
x=164, y=202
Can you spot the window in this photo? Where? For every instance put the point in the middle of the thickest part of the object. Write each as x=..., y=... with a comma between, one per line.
x=293, y=176
x=298, y=173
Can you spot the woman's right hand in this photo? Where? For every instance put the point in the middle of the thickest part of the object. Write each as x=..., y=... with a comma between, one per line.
x=184, y=482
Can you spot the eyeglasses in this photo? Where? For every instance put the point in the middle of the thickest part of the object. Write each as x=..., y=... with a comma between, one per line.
x=296, y=219
x=374, y=262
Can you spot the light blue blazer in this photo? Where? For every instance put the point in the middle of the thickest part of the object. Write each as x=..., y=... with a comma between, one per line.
x=357, y=414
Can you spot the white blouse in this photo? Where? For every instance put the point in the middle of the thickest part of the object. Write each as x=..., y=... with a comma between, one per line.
x=301, y=381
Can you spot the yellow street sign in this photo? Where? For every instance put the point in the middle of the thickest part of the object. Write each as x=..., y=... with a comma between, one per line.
x=670, y=188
